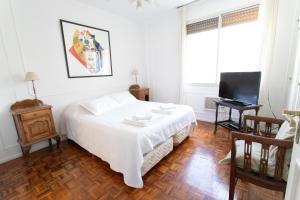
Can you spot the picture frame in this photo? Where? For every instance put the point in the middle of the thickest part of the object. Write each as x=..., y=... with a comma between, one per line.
x=87, y=50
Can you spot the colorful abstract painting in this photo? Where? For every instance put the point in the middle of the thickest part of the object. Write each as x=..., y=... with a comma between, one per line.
x=87, y=50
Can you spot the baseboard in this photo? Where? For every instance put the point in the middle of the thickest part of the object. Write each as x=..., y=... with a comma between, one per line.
x=10, y=157
x=34, y=148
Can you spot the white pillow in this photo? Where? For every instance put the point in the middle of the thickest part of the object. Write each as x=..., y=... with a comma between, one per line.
x=100, y=105
x=123, y=97
x=286, y=131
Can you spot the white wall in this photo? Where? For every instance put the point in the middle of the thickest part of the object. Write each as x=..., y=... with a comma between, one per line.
x=162, y=56
x=294, y=95
x=161, y=47
x=30, y=40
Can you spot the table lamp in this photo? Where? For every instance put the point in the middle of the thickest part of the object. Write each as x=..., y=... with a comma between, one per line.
x=135, y=72
x=31, y=76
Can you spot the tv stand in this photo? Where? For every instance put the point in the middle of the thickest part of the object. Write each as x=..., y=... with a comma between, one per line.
x=238, y=103
x=231, y=124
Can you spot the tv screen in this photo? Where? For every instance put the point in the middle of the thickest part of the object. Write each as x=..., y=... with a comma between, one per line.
x=240, y=86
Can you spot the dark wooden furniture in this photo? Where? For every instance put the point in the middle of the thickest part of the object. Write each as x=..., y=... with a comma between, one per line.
x=262, y=132
x=230, y=124
x=34, y=123
x=139, y=93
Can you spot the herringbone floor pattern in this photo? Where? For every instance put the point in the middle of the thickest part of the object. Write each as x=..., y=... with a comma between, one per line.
x=190, y=172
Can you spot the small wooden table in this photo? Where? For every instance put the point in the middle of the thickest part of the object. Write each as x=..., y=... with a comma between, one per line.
x=230, y=124
x=34, y=123
x=140, y=93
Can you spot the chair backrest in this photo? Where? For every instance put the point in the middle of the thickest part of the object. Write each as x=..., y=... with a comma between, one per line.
x=262, y=126
x=281, y=145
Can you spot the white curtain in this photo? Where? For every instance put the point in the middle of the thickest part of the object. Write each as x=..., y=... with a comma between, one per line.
x=182, y=50
x=267, y=16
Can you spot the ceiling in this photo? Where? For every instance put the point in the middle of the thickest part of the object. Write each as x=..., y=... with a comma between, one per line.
x=126, y=9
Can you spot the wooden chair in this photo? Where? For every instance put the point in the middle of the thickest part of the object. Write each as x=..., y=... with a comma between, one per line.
x=262, y=130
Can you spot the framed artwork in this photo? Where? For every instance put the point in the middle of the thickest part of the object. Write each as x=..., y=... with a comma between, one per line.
x=87, y=50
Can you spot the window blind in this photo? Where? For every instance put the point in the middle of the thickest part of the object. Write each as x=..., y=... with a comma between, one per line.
x=204, y=25
x=240, y=16
x=228, y=19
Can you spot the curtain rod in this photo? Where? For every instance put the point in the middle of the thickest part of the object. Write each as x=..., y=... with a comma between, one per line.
x=184, y=5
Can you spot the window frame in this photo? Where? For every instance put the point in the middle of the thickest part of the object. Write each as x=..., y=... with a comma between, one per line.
x=219, y=16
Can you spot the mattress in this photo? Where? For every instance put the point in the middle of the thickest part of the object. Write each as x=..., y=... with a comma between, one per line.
x=123, y=146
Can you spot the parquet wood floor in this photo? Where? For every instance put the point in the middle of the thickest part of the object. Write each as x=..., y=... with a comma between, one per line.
x=190, y=172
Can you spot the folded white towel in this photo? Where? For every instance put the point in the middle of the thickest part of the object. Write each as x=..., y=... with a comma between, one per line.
x=144, y=122
x=167, y=106
x=138, y=123
x=160, y=111
x=142, y=116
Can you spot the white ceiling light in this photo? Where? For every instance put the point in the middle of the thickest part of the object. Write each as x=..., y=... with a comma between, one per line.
x=139, y=3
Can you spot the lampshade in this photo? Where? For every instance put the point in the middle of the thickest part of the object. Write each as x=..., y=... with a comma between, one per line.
x=135, y=72
x=31, y=76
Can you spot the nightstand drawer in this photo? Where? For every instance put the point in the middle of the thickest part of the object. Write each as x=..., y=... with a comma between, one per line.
x=36, y=114
x=145, y=92
x=36, y=129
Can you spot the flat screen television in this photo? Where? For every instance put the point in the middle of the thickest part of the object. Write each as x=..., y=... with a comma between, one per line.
x=240, y=87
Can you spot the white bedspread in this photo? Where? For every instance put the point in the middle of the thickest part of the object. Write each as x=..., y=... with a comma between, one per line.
x=120, y=144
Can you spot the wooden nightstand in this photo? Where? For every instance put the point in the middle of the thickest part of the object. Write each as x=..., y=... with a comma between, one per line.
x=140, y=93
x=34, y=123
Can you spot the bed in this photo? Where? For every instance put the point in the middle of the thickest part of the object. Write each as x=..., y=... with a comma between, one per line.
x=129, y=149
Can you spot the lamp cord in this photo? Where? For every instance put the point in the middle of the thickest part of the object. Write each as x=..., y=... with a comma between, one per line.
x=270, y=107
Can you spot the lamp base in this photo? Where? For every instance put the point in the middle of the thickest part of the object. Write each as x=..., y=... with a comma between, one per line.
x=33, y=88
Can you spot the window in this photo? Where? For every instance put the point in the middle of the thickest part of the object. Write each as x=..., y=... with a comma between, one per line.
x=202, y=40
x=227, y=43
